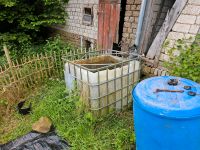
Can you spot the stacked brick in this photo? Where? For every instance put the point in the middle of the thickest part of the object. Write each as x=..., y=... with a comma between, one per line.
x=186, y=26
x=152, y=71
x=74, y=27
x=130, y=23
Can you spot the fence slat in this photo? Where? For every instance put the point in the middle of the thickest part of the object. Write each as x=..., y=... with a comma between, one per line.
x=2, y=81
x=56, y=64
x=26, y=72
x=30, y=66
x=22, y=83
x=7, y=75
x=9, y=62
x=40, y=68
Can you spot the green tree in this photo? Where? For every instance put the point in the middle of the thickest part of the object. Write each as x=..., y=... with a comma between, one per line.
x=23, y=20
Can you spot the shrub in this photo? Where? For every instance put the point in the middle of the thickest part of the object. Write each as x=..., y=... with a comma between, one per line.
x=23, y=20
x=187, y=63
x=28, y=49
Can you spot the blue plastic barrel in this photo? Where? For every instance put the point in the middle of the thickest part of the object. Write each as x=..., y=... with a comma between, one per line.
x=167, y=120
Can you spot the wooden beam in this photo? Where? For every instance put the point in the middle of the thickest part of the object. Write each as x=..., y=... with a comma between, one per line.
x=145, y=35
x=9, y=61
x=172, y=16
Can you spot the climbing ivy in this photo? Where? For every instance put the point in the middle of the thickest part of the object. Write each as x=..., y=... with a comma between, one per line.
x=23, y=20
x=187, y=63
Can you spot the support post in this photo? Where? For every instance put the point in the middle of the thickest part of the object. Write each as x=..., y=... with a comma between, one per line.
x=9, y=61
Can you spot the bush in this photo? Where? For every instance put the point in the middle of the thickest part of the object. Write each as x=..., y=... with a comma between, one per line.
x=187, y=63
x=28, y=49
x=52, y=44
x=22, y=21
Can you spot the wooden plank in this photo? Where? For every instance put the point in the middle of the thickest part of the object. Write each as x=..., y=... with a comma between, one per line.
x=108, y=23
x=30, y=74
x=106, y=26
x=5, y=81
x=172, y=16
x=36, y=73
x=21, y=79
x=112, y=24
x=145, y=34
x=118, y=8
x=9, y=61
x=100, y=26
x=48, y=64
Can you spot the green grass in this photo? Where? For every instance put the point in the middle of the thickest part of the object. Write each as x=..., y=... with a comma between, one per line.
x=79, y=128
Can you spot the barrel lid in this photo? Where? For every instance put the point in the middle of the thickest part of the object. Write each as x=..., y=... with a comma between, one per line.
x=148, y=95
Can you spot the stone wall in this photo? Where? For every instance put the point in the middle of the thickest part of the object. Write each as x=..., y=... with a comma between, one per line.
x=160, y=8
x=130, y=23
x=156, y=16
x=75, y=27
x=186, y=26
x=73, y=38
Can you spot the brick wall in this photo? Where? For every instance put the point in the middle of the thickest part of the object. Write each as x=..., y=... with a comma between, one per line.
x=159, y=11
x=160, y=8
x=186, y=26
x=75, y=27
x=130, y=23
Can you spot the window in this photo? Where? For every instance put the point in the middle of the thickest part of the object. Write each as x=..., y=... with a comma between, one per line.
x=88, y=11
x=87, y=16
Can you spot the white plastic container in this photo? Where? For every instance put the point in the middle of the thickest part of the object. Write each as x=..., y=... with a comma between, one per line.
x=107, y=88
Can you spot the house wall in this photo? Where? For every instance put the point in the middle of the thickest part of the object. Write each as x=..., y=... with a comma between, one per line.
x=130, y=23
x=74, y=27
x=155, y=14
x=160, y=8
x=186, y=26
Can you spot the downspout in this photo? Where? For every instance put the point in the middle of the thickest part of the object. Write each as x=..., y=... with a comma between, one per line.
x=140, y=22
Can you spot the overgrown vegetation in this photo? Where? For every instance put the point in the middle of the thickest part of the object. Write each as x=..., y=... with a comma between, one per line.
x=187, y=63
x=52, y=44
x=23, y=22
x=78, y=127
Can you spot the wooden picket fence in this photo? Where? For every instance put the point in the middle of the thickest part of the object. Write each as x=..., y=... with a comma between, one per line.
x=19, y=77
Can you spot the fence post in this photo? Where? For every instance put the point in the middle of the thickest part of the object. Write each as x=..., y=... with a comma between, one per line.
x=9, y=61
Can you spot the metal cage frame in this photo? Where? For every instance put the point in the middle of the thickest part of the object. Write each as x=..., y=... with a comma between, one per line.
x=127, y=59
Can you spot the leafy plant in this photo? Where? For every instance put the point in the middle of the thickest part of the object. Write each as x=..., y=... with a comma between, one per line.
x=187, y=63
x=23, y=20
x=55, y=44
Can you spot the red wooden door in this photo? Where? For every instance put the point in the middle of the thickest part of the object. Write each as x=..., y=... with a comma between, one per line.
x=108, y=23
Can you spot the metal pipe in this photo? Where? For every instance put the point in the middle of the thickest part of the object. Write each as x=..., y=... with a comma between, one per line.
x=140, y=22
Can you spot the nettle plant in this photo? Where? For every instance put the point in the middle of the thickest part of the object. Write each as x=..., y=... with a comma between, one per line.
x=187, y=63
x=21, y=21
